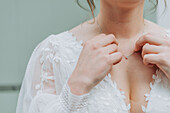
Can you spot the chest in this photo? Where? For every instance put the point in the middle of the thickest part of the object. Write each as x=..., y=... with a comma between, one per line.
x=133, y=77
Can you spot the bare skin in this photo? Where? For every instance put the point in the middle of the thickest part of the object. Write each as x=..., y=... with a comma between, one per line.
x=123, y=19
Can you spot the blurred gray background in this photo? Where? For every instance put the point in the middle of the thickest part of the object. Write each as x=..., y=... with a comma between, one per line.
x=24, y=24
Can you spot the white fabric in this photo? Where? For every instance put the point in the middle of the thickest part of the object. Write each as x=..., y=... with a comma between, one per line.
x=45, y=89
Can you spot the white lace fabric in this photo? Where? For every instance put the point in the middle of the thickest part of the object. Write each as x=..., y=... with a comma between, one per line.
x=71, y=102
x=45, y=89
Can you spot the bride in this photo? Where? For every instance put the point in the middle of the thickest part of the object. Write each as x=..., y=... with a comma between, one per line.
x=118, y=64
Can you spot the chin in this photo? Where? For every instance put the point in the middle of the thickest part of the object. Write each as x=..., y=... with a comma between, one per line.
x=123, y=3
x=127, y=1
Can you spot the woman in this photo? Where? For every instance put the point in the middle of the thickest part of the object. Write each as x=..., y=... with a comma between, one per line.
x=123, y=66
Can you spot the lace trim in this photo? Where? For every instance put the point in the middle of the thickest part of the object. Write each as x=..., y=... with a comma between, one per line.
x=71, y=102
x=120, y=94
x=157, y=80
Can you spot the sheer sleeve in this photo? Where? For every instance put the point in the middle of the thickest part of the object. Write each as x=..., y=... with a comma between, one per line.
x=41, y=90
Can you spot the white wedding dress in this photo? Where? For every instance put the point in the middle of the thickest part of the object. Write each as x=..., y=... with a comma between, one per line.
x=45, y=90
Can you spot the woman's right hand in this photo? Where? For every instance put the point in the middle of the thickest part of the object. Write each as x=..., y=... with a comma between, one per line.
x=94, y=63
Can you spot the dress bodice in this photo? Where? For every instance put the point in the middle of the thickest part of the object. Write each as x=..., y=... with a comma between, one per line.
x=58, y=56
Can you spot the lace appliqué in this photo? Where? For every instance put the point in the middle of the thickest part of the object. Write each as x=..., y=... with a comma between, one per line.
x=156, y=79
x=160, y=81
x=105, y=97
x=46, y=68
x=120, y=94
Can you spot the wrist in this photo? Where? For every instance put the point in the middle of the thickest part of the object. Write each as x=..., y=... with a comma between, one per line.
x=78, y=88
x=71, y=102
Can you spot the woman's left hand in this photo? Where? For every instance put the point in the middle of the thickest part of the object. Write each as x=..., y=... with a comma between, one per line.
x=155, y=50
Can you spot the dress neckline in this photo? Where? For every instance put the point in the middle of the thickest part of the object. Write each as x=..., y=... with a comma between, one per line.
x=71, y=34
x=79, y=42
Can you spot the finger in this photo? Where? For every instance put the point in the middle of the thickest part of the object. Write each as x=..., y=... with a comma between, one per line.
x=148, y=38
x=98, y=37
x=151, y=58
x=111, y=48
x=115, y=57
x=151, y=49
x=108, y=39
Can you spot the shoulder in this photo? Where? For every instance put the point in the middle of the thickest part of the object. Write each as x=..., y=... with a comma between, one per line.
x=56, y=41
x=55, y=46
x=153, y=27
x=51, y=47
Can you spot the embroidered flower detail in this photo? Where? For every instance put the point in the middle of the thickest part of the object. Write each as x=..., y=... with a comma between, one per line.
x=46, y=61
x=168, y=33
x=147, y=95
x=143, y=108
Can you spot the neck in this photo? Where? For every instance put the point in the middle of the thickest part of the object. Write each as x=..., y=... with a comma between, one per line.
x=124, y=20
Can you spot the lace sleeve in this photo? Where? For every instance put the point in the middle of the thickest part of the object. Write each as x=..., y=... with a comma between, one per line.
x=40, y=87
